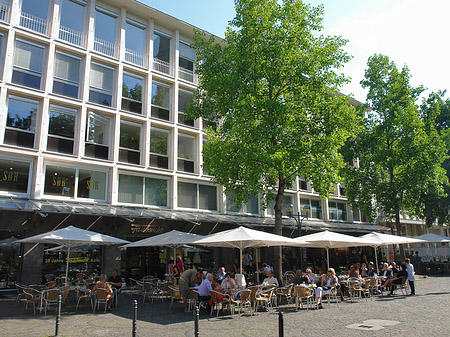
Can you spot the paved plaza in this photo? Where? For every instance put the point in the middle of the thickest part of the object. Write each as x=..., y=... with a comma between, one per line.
x=426, y=314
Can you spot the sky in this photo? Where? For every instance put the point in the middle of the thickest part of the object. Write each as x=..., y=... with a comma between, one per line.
x=411, y=32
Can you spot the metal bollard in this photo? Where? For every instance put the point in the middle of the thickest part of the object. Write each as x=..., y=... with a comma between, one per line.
x=280, y=324
x=58, y=316
x=134, y=318
x=196, y=318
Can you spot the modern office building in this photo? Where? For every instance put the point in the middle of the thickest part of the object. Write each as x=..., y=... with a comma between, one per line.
x=93, y=134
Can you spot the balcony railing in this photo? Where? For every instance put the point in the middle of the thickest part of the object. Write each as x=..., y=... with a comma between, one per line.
x=135, y=57
x=72, y=36
x=4, y=12
x=162, y=66
x=34, y=23
x=105, y=47
x=187, y=75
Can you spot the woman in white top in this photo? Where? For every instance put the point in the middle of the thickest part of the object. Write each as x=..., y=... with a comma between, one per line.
x=329, y=282
x=240, y=280
x=228, y=282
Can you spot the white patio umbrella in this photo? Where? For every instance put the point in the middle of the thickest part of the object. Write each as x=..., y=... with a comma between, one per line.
x=243, y=238
x=173, y=239
x=327, y=240
x=380, y=239
x=72, y=237
x=433, y=238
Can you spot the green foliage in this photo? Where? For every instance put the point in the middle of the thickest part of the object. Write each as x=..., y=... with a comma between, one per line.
x=272, y=85
x=399, y=152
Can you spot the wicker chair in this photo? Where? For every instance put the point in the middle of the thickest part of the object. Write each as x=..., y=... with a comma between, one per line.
x=50, y=297
x=264, y=296
x=101, y=298
x=219, y=305
x=303, y=294
x=243, y=302
x=285, y=291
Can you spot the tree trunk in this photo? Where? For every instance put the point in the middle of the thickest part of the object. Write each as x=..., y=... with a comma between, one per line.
x=398, y=226
x=278, y=229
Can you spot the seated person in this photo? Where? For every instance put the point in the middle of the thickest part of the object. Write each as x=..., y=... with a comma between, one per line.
x=328, y=283
x=397, y=279
x=394, y=269
x=311, y=276
x=228, y=282
x=205, y=287
x=219, y=297
x=354, y=271
x=386, y=275
x=270, y=280
x=221, y=275
x=363, y=271
x=109, y=292
x=301, y=278
x=115, y=280
x=240, y=280
x=370, y=270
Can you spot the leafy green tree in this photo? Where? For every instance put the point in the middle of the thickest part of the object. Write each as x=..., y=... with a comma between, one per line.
x=399, y=152
x=271, y=87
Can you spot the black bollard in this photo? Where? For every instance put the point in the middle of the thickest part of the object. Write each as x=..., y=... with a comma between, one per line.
x=134, y=318
x=58, y=316
x=280, y=324
x=196, y=318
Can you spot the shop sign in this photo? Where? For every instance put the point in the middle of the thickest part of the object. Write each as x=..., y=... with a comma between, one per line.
x=72, y=260
x=145, y=229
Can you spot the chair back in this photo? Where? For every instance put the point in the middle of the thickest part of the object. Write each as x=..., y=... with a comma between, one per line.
x=149, y=286
x=20, y=288
x=193, y=294
x=52, y=294
x=102, y=293
x=80, y=277
x=253, y=290
x=288, y=277
x=370, y=281
x=65, y=291
x=50, y=284
x=35, y=286
x=245, y=295
x=302, y=291
x=213, y=294
x=90, y=286
x=49, y=277
x=404, y=279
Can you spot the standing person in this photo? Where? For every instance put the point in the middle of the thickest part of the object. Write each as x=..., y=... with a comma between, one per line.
x=247, y=259
x=180, y=264
x=187, y=279
x=411, y=275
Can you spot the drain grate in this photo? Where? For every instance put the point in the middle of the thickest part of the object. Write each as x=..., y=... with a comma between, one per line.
x=372, y=325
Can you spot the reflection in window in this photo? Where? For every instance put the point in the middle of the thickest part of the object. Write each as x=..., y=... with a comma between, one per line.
x=184, y=98
x=186, y=62
x=287, y=199
x=101, y=86
x=21, y=122
x=337, y=210
x=67, y=75
x=161, y=53
x=132, y=93
x=105, y=32
x=28, y=63
x=186, y=153
x=61, y=129
x=91, y=184
x=72, y=21
x=135, y=42
x=59, y=181
x=156, y=192
x=14, y=176
x=130, y=138
x=130, y=189
x=159, y=148
x=252, y=206
x=160, y=101
x=34, y=15
x=187, y=195
x=97, y=136
x=197, y=196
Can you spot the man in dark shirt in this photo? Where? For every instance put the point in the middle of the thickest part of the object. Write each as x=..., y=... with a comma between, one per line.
x=370, y=270
x=115, y=280
x=300, y=278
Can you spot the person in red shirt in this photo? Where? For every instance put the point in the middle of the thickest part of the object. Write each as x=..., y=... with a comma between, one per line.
x=180, y=264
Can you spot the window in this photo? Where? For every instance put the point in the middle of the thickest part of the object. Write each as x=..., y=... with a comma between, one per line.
x=67, y=75
x=186, y=153
x=132, y=93
x=161, y=53
x=102, y=83
x=186, y=62
x=64, y=181
x=130, y=138
x=160, y=101
x=72, y=21
x=91, y=184
x=159, y=148
x=356, y=215
x=21, y=122
x=59, y=181
x=342, y=189
x=34, y=15
x=287, y=199
x=184, y=97
x=61, y=129
x=97, y=136
x=105, y=32
x=197, y=196
x=14, y=176
x=28, y=63
x=311, y=208
x=252, y=206
x=4, y=10
x=135, y=43
x=303, y=185
x=132, y=190
x=337, y=210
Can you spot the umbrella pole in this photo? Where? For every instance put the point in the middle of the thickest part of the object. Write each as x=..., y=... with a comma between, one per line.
x=257, y=267
x=376, y=258
x=67, y=263
x=328, y=258
x=240, y=259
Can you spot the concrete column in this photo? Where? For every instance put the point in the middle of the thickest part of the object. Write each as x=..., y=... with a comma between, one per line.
x=111, y=259
x=32, y=263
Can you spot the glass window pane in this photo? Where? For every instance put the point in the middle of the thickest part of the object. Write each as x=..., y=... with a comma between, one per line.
x=161, y=95
x=28, y=56
x=62, y=122
x=316, y=209
x=184, y=97
x=91, y=184
x=356, y=216
x=159, y=141
x=105, y=27
x=59, y=181
x=135, y=38
x=37, y=8
x=287, y=199
x=67, y=68
x=156, y=192
x=342, y=211
x=186, y=51
x=130, y=135
x=98, y=129
x=132, y=88
x=187, y=195
x=161, y=48
x=72, y=15
x=102, y=78
x=186, y=147
x=22, y=114
x=305, y=207
x=208, y=197
x=252, y=205
x=231, y=205
x=130, y=189
x=332, y=210
x=14, y=176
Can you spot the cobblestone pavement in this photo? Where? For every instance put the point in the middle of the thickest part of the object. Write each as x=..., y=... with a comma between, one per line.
x=426, y=314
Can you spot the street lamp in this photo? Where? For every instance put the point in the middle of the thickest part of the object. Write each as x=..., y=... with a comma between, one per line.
x=298, y=219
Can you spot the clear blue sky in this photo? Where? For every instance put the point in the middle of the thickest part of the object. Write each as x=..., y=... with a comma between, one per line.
x=411, y=32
